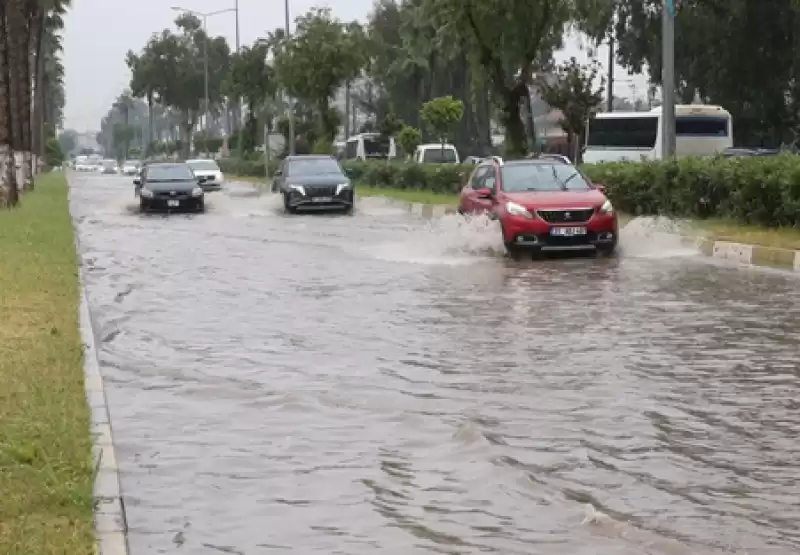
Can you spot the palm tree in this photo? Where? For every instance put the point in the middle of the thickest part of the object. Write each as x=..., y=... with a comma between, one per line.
x=31, y=74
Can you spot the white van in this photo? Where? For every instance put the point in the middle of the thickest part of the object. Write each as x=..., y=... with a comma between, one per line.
x=369, y=146
x=436, y=153
x=700, y=130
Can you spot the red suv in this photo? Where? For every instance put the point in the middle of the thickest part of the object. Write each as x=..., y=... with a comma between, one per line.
x=543, y=204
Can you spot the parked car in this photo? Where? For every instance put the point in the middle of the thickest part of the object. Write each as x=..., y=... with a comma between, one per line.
x=131, y=167
x=543, y=204
x=210, y=173
x=436, y=153
x=170, y=186
x=313, y=182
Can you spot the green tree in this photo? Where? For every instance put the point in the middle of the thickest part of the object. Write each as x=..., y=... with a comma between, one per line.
x=409, y=138
x=441, y=115
x=510, y=40
x=68, y=140
x=317, y=60
x=174, y=71
x=253, y=79
x=570, y=89
x=754, y=78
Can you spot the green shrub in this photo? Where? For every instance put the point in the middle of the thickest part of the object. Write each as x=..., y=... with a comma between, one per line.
x=248, y=168
x=437, y=178
x=761, y=191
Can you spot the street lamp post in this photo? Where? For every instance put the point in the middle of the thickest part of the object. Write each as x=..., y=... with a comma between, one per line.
x=204, y=17
x=668, y=9
x=288, y=97
x=240, y=102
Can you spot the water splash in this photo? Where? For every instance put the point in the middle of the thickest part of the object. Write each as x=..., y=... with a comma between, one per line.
x=655, y=237
x=450, y=240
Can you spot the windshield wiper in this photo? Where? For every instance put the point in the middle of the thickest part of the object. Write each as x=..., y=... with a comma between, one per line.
x=563, y=183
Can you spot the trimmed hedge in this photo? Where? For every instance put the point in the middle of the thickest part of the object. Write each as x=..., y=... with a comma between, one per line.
x=758, y=190
x=247, y=168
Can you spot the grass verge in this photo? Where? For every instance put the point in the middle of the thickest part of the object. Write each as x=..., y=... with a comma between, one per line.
x=408, y=195
x=46, y=475
x=721, y=230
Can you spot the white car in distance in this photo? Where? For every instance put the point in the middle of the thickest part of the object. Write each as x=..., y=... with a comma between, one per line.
x=209, y=172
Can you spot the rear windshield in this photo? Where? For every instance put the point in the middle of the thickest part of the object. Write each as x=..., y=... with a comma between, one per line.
x=169, y=172
x=445, y=155
x=376, y=147
x=203, y=165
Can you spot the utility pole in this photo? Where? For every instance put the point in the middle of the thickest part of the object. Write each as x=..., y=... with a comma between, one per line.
x=205, y=82
x=668, y=78
x=239, y=103
x=610, y=100
x=289, y=100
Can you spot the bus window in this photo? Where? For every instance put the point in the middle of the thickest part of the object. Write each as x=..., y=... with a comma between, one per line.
x=701, y=126
x=623, y=132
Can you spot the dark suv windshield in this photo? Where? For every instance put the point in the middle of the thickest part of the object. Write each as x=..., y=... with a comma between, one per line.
x=542, y=177
x=314, y=166
x=169, y=172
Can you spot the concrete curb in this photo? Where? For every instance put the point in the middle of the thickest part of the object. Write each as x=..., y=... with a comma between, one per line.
x=747, y=255
x=429, y=211
x=111, y=527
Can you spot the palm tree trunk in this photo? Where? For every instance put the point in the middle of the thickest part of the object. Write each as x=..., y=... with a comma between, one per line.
x=17, y=52
x=25, y=87
x=8, y=183
x=37, y=34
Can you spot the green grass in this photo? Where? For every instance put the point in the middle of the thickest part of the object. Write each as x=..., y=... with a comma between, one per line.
x=721, y=230
x=46, y=474
x=407, y=195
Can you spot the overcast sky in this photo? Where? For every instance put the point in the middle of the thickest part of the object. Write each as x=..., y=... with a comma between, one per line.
x=100, y=32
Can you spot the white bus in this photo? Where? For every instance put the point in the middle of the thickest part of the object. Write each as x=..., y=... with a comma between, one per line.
x=632, y=136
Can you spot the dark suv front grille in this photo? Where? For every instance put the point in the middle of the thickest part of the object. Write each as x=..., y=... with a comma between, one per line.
x=566, y=216
x=321, y=191
x=169, y=196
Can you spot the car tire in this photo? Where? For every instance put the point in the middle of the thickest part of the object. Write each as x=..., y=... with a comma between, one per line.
x=286, y=206
x=143, y=206
x=201, y=206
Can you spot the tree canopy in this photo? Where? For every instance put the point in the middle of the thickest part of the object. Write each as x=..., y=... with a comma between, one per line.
x=488, y=55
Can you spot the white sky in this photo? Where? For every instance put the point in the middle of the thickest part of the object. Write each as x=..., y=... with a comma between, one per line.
x=99, y=33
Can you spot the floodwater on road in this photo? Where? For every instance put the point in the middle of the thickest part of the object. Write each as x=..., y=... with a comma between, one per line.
x=377, y=384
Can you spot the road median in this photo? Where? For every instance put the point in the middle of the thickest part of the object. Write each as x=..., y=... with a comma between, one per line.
x=47, y=473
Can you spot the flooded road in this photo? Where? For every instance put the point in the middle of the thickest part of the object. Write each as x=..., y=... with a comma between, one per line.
x=375, y=384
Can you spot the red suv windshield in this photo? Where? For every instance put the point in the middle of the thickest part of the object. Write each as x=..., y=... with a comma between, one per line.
x=542, y=177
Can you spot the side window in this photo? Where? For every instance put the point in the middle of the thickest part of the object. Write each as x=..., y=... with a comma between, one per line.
x=490, y=181
x=477, y=177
